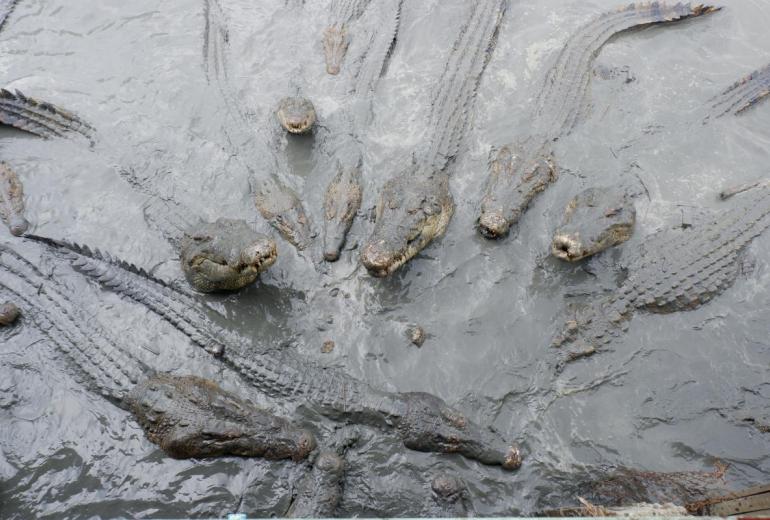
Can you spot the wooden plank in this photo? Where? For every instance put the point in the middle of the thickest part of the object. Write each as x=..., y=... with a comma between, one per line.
x=737, y=506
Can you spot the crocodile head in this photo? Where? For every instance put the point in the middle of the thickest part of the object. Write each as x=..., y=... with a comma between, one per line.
x=411, y=211
x=296, y=115
x=515, y=178
x=225, y=255
x=335, y=43
x=429, y=424
x=341, y=202
x=595, y=220
x=188, y=416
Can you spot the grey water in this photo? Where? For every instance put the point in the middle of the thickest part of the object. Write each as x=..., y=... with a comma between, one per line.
x=671, y=395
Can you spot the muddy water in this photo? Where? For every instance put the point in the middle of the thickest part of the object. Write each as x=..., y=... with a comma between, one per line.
x=668, y=396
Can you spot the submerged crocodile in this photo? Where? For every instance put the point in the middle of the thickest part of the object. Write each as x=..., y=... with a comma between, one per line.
x=320, y=491
x=254, y=144
x=186, y=416
x=416, y=206
x=673, y=270
x=335, y=38
x=423, y=421
x=450, y=498
x=594, y=220
x=526, y=167
x=340, y=147
x=743, y=95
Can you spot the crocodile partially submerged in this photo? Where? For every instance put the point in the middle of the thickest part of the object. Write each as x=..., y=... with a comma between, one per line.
x=673, y=270
x=40, y=118
x=416, y=206
x=186, y=416
x=340, y=149
x=12, y=201
x=296, y=114
x=594, y=220
x=742, y=95
x=526, y=167
x=252, y=143
x=336, y=38
x=423, y=421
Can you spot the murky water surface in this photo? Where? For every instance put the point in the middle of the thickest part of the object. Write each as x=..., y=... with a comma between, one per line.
x=669, y=396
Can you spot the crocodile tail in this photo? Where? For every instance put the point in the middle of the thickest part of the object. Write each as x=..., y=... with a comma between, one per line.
x=110, y=370
x=560, y=103
x=39, y=117
x=459, y=82
x=742, y=95
x=380, y=48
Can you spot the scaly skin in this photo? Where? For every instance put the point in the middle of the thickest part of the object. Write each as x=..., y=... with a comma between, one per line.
x=412, y=210
x=39, y=117
x=190, y=416
x=296, y=115
x=320, y=492
x=9, y=313
x=672, y=271
x=743, y=95
x=558, y=109
x=423, y=421
x=226, y=255
x=335, y=38
x=12, y=201
x=595, y=219
x=186, y=416
x=342, y=201
x=415, y=207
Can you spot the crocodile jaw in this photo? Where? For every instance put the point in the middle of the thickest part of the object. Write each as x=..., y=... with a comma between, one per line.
x=296, y=115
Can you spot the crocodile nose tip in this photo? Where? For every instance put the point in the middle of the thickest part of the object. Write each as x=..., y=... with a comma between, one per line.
x=333, y=69
x=331, y=255
x=513, y=458
x=375, y=260
x=493, y=225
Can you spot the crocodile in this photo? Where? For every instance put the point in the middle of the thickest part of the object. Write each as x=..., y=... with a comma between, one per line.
x=12, y=201
x=6, y=7
x=253, y=144
x=415, y=206
x=526, y=167
x=594, y=220
x=186, y=416
x=225, y=255
x=9, y=313
x=672, y=270
x=335, y=37
x=423, y=421
x=340, y=146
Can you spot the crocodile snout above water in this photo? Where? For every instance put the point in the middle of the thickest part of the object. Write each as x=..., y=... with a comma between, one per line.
x=411, y=211
x=296, y=115
x=225, y=255
x=594, y=220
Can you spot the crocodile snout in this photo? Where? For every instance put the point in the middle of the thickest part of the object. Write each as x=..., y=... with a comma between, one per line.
x=493, y=225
